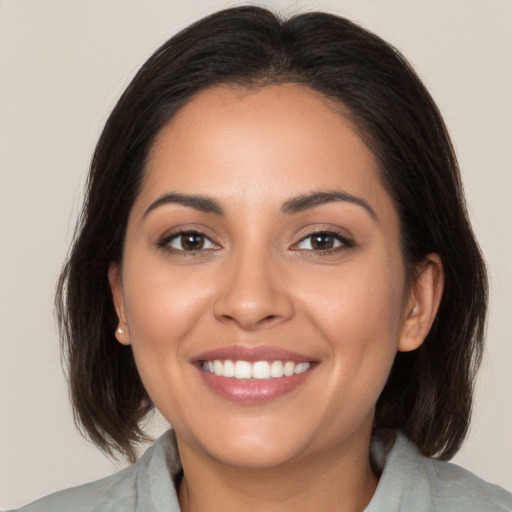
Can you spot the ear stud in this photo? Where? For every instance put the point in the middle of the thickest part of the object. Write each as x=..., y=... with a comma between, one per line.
x=120, y=331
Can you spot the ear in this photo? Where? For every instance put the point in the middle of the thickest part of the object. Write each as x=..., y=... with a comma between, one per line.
x=115, y=279
x=423, y=302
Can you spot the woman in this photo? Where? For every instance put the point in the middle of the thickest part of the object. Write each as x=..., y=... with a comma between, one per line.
x=275, y=233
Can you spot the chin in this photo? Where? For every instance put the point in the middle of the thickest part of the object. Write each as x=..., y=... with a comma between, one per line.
x=256, y=454
x=257, y=444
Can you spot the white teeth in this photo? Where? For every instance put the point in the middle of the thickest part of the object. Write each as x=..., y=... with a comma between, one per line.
x=229, y=369
x=217, y=367
x=289, y=368
x=243, y=370
x=260, y=370
x=276, y=369
x=301, y=368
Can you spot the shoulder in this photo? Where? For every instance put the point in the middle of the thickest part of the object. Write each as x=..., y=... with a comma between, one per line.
x=410, y=481
x=137, y=488
x=116, y=492
x=453, y=485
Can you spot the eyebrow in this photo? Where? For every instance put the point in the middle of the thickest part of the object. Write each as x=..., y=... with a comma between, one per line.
x=297, y=204
x=201, y=203
x=315, y=199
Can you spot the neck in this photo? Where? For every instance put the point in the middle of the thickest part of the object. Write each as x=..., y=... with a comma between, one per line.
x=341, y=480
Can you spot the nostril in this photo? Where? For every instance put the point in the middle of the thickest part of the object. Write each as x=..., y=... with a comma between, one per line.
x=252, y=303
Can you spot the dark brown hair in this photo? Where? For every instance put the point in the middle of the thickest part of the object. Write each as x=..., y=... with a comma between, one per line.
x=429, y=391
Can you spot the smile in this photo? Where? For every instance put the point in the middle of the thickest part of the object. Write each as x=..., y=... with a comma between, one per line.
x=254, y=375
x=258, y=370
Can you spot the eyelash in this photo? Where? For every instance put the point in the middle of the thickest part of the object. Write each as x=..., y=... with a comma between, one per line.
x=165, y=242
x=344, y=242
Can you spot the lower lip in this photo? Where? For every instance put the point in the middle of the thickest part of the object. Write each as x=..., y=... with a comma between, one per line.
x=253, y=391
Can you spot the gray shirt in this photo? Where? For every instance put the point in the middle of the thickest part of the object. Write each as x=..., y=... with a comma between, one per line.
x=409, y=482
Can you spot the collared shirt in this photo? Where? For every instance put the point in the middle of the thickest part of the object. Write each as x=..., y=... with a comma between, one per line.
x=409, y=482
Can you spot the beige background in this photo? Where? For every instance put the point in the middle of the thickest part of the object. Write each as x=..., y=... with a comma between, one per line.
x=62, y=66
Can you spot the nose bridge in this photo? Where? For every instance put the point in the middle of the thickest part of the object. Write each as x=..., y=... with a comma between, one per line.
x=253, y=293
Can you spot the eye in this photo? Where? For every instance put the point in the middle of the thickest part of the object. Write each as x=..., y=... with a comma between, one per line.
x=188, y=241
x=322, y=241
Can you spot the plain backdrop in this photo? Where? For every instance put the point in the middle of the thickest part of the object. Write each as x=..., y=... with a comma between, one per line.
x=64, y=63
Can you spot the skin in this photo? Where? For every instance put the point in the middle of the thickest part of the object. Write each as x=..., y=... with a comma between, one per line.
x=259, y=281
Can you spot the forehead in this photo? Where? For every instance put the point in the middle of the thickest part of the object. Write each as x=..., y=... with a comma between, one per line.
x=274, y=142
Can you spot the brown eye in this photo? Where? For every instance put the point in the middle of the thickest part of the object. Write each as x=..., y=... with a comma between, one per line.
x=192, y=242
x=189, y=241
x=323, y=241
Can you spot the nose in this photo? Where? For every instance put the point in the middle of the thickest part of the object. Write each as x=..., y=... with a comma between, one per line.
x=253, y=295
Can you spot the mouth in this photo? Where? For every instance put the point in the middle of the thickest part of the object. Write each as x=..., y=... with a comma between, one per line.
x=259, y=370
x=253, y=375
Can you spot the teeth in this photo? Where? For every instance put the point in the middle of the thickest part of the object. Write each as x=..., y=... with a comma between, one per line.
x=228, y=369
x=301, y=368
x=260, y=370
x=242, y=370
x=276, y=369
x=217, y=367
x=289, y=368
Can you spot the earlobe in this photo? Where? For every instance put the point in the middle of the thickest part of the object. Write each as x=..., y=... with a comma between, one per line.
x=115, y=281
x=423, y=303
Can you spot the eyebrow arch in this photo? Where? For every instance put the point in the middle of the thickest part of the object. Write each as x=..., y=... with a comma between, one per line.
x=315, y=199
x=197, y=202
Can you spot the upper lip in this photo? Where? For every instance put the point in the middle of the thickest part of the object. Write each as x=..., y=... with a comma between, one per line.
x=252, y=354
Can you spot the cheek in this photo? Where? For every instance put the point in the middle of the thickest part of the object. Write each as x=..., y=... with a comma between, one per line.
x=356, y=296
x=359, y=311
x=163, y=305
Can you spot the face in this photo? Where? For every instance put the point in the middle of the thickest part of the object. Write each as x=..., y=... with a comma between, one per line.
x=262, y=286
